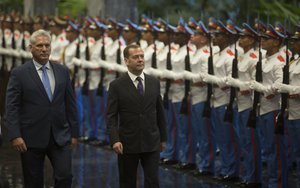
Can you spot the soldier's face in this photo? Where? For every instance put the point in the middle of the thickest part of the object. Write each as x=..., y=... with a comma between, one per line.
x=95, y=33
x=147, y=36
x=135, y=61
x=41, y=49
x=246, y=41
x=181, y=38
x=129, y=35
x=112, y=33
x=71, y=35
x=295, y=45
x=269, y=43
x=163, y=37
x=199, y=40
x=219, y=39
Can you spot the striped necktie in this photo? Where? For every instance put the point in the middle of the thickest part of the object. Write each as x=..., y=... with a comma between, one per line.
x=46, y=82
x=140, y=87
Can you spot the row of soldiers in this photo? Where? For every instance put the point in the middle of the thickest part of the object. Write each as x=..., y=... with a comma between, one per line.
x=225, y=88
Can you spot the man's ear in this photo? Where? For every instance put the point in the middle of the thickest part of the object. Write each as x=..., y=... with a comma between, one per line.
x=30, y=47
x=126, y=60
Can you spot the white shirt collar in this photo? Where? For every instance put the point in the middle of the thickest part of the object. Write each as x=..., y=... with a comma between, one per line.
x=133, y=77
x=39, y=66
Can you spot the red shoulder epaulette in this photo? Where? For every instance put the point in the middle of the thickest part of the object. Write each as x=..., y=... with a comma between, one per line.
x=280, y=58
x=206, y=51
x=17, y=35
x=253, y=55
x=7, y=32
x=230, y=52
x=26, y=35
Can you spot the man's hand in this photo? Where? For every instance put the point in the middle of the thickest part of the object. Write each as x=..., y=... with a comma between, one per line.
x=19, y=144
x=118, y=147
x=163, y=146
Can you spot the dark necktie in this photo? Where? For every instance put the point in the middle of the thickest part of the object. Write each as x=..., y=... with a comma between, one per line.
x=46, y=82
x=140, y=87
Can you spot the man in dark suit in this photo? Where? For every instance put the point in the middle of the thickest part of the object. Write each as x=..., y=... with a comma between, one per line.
x=136, y=121
x=41, y=115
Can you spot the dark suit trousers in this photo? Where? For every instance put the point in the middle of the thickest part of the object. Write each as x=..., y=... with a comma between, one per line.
x=33, y=165
x=128, y=164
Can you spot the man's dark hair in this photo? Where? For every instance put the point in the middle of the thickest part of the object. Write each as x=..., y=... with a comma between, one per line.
x=126, y=50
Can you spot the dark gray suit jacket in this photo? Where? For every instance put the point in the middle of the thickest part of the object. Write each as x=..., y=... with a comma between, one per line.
x=136, y=121
x=30, y=113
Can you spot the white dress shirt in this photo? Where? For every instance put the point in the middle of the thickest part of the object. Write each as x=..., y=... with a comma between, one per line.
x=49, y=72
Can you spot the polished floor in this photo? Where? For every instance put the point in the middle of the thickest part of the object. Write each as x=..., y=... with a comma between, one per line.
x=96, y=167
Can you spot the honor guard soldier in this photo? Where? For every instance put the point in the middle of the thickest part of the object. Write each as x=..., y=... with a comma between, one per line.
x=71, y=58
x=293, y=90
x=280, y=28
x=98, y=90
x=27, y=30
x=39, y=22
x=149, y=34
x=165, y=34
x=7, y=39
x=251, y=173
x=132, y=35
x=275, y=144
x=180, y=90
x=59, y=42
x=203, y=140
x=223, y=131
x=114, y=54
x=17, y=40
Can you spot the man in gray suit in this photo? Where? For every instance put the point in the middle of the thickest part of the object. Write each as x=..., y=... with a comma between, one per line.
x=41, y=115
x=136, y=121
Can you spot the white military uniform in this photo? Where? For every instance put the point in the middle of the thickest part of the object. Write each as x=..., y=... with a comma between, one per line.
x=58, y=44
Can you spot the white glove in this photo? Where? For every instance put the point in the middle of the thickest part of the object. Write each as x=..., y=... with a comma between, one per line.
x=76, y=61
x=189, y=75
x=221, y=82
x=178, y=76
x=154, y=72
x=284, y=88
x=119, y=68
x=15, y=53
x=167, y=74
x=267, y=90
x=243, y=85
x=257, y=86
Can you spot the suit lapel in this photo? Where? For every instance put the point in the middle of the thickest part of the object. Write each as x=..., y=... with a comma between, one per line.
x=133, y=89
x=36, y=78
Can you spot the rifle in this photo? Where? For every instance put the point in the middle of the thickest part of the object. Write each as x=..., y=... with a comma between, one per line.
x=85, y=87
x=168, y=81
x=228, y=117
x=102, y=70
x=256, y=101
x=118, y=58
x=77, y=55
x=13, y=46
x=3, y=66
x=184, y=103
x=283, y=114
x=23, y=48
x=153, y=60
x=207, y=108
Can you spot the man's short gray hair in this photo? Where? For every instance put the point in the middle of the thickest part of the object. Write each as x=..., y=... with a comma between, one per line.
x=38, y=33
